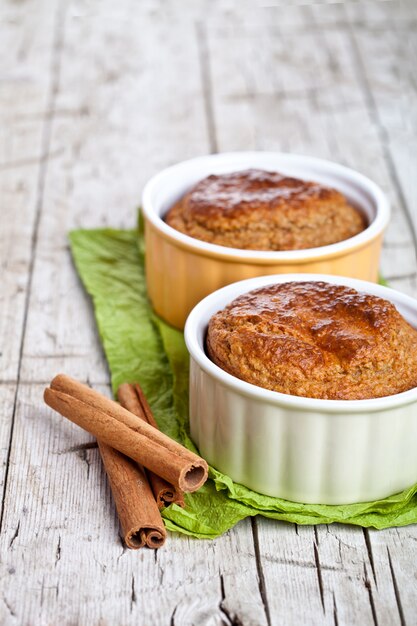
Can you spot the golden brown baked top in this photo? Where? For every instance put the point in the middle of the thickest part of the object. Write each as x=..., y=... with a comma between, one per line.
x=316, y=340
x=258, y=210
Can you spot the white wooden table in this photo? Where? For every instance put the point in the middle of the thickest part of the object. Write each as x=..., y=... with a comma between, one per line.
x=95, y=97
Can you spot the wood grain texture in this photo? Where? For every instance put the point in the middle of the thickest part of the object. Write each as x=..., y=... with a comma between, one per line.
x=7, y=409
x=25, y=58
x=96, y=98
x=111, y=137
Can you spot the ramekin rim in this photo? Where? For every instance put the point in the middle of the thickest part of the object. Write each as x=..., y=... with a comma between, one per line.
x=274, y=397
x=375, y=228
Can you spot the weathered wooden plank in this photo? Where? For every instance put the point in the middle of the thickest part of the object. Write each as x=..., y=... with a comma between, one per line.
x=25, y=53
x=7, y=399
x=110, y=140
x=387, y=69
x=289, y=573
x=350, y=589
x=60, y=543
x=394, y=555
x=338, y=574
x=25, y=57
x=316, y=575
x=218, y=580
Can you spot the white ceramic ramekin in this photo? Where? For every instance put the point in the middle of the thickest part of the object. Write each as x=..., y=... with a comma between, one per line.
x=181, y=270
x=301, y=449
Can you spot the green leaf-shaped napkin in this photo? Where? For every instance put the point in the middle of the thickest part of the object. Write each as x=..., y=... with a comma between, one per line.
x=141, y=347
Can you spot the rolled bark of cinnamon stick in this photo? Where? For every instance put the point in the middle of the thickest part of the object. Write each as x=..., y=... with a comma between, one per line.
x=179, y=497
x=120, y=429
x=139, y=516
x=132, y=398
x=146, y=408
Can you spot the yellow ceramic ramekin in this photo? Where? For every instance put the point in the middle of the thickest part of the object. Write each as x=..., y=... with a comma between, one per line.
x=181, y=270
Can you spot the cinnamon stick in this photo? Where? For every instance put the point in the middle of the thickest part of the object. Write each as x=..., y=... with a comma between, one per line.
x=117, y=427
x=139, y=516
x=132, y=398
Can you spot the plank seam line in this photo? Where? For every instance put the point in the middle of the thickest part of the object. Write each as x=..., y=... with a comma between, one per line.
x=318, y=571
x=205, y=71
x=368, y=544
x=232, y=620
x=382, y=132
x=396, y=590
x=368, y=586
x=259, y=569
x=335, y=616
x=43, y=166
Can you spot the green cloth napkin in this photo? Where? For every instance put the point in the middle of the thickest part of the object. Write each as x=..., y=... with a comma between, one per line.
x=141, y=347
